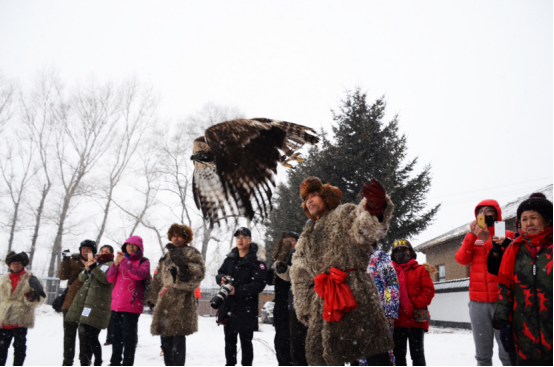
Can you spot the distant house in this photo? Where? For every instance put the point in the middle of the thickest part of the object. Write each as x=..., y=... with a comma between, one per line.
x=449, y=307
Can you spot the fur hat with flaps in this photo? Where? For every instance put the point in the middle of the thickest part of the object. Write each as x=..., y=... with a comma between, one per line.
x=282, y=248
x=21, y=257
x=331, y=195
x=180, y=230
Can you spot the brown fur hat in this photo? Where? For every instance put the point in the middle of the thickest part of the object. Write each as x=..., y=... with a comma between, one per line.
x=181, y=230
x=21, y=257
x=331, y=195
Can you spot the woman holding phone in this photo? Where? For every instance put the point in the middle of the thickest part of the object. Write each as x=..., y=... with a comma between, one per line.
x=91, y=306
x=524, y=311
x=130, y=272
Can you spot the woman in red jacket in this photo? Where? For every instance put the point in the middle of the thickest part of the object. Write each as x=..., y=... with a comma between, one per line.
x=483, y=286
x=416, y=292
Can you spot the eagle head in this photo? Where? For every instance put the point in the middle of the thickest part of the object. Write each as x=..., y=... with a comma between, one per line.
x=201, y=151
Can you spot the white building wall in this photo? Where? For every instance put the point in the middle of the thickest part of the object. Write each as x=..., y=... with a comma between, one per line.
x=451, y=307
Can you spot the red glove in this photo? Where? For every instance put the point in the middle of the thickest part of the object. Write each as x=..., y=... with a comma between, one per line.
x=375, y=195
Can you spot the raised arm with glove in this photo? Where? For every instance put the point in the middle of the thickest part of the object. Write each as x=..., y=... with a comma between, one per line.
x=376, y=197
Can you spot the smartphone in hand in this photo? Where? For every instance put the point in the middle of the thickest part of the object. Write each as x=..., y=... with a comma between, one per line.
x=500, y=229
x=481, y=221
x=90, y=256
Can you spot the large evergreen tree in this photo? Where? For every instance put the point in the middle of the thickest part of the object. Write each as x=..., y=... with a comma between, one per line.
x=363, y=147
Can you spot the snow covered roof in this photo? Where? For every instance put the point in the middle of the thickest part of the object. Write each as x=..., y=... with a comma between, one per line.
x=452, y=285
x=508, y=211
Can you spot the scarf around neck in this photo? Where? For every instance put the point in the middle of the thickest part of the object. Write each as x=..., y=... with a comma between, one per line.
x=401, y=270
x=533, y=242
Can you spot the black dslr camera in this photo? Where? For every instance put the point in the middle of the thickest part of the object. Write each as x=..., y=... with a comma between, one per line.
x=222, y=294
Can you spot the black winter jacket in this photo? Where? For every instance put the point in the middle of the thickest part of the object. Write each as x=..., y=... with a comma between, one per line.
x=249, y=274
x=282, y=288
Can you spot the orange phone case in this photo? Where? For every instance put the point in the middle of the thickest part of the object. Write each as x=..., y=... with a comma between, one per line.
x=481, y=221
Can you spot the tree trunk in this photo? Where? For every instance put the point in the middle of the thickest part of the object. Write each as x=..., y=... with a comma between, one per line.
x=206, y=239
x=38, y=218
x=57, y=248
x=105, y=220
x=14, y=222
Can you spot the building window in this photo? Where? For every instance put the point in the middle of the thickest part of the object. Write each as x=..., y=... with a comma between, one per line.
x=442, y=273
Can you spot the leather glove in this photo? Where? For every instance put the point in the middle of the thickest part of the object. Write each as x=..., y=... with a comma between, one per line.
x=507, y=337
x=32, y=296
x=281, y=267
x=375, y=195
x=66, y=255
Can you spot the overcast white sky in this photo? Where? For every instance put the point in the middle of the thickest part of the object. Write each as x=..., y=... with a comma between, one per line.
x=472, y=81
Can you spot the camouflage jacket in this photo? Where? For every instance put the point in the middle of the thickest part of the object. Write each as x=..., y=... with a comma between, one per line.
x=528, y=306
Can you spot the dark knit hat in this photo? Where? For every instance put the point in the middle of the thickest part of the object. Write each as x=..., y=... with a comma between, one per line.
x=539, y=203
x=21, y=257
x=403, y=244
x=88, y=243
x=294, y=235
x=181, y=230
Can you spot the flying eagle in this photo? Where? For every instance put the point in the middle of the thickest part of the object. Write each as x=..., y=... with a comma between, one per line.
x=235, y=162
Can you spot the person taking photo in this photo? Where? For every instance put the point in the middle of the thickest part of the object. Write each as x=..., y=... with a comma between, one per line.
x=239, y=312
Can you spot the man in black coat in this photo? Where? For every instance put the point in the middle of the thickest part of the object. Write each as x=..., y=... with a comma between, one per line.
x=239, y=311
x=278, y=276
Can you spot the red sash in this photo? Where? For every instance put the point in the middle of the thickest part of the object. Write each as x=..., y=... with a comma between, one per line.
x=338, y=297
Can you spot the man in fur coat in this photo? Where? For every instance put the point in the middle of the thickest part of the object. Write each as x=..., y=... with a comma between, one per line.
x=171, y=294
x=333, y=294
x=20, y=293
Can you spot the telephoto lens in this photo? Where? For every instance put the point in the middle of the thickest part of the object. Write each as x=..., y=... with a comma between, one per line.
x=222, y=294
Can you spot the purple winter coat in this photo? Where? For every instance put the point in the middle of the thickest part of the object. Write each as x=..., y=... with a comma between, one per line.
x=128, y=292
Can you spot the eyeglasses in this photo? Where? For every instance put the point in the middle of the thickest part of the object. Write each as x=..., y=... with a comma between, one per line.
x=486, y=211
x=242, y=237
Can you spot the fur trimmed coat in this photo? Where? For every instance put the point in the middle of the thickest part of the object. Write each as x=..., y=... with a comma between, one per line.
x=176, y=307
x=15, y=308
x=249, y=274
x=342, y=239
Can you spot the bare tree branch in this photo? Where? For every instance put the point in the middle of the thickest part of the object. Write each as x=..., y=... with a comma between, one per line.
x=84, y=131
x=137, y=117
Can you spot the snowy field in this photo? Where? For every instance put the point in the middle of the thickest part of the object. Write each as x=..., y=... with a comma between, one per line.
x=206, y=348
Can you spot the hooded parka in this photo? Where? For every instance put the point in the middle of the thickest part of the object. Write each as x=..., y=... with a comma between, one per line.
x=483, y=286
x=249, y=274
x=91, y=305
x=129, y=278
x=176, y=309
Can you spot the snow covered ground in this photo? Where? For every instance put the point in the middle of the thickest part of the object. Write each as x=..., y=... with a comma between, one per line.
x=206, y=348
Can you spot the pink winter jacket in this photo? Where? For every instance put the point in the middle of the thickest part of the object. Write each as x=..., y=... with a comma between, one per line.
x=128, y=292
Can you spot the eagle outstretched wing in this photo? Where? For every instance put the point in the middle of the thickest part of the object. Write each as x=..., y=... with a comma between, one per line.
x=235, y=165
